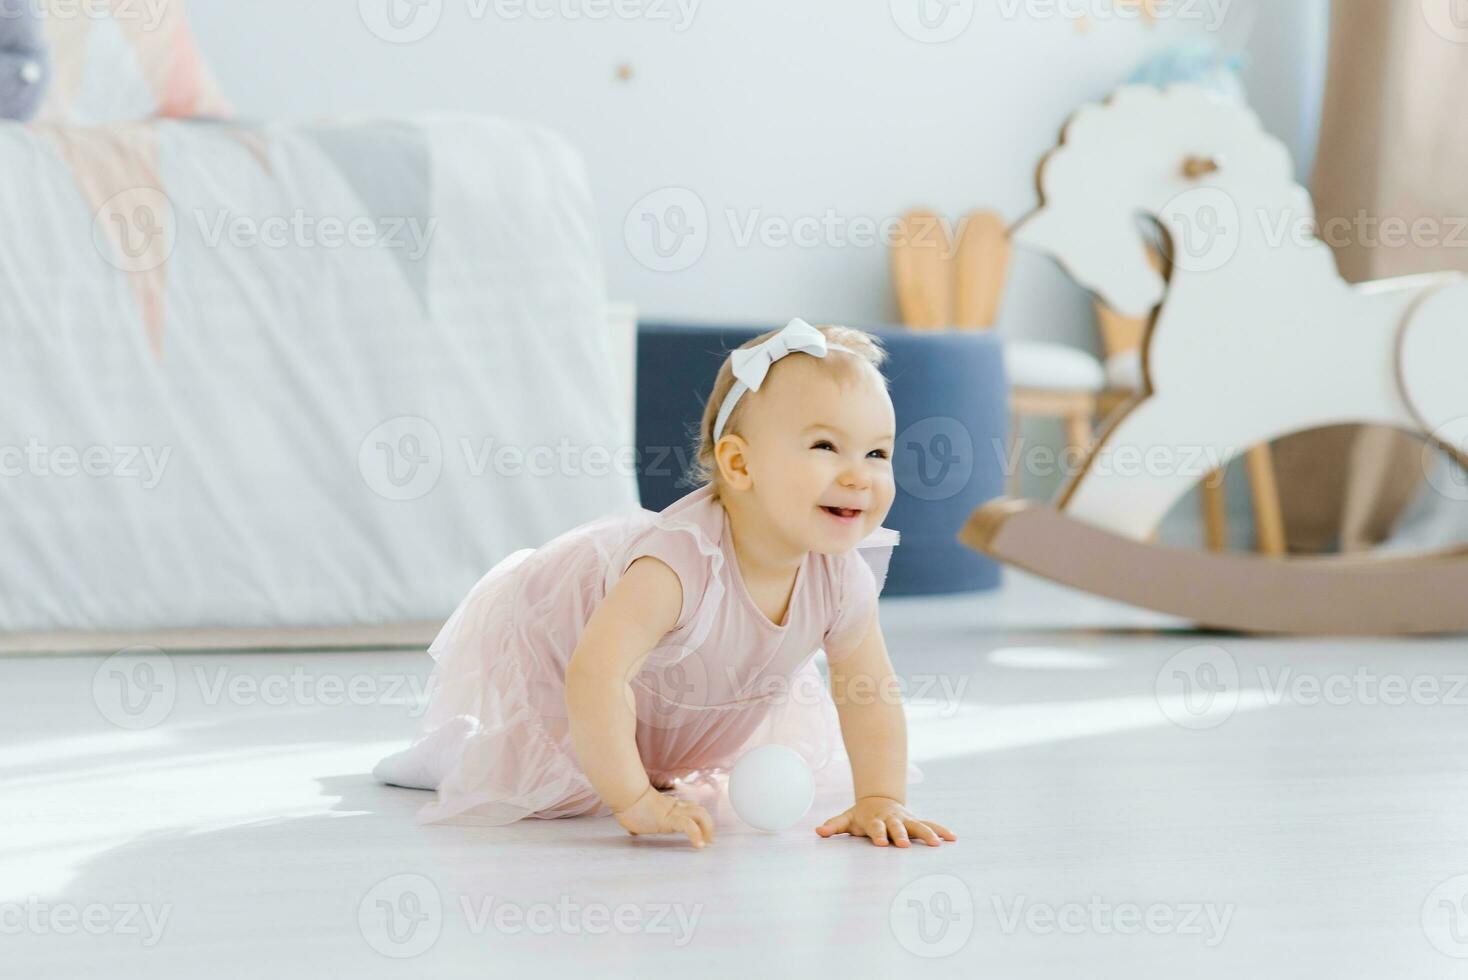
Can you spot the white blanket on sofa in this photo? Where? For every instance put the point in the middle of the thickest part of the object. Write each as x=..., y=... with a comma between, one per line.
x=280, y=376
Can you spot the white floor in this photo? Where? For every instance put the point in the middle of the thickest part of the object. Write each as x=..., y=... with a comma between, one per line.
x=1131, y=800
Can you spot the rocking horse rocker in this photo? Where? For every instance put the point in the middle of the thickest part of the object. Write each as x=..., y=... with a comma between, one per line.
x=1253, y=335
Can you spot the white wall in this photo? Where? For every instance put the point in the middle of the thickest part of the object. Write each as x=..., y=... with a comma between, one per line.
x=769, y=110
x=775, y=112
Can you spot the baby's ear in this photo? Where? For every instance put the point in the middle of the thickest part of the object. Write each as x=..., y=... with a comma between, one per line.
x=732, y=463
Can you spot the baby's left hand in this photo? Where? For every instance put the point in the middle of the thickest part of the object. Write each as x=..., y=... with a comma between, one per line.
x=882, y=820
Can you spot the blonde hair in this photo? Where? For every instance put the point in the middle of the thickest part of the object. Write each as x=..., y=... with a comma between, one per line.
x=868, y=351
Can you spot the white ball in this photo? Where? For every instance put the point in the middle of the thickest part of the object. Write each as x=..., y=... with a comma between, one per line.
x=772, y=788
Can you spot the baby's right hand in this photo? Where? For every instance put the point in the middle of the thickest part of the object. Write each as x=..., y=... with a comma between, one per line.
x=658, y=813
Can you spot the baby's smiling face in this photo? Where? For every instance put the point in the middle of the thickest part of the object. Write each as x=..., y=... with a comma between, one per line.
x=819, y=453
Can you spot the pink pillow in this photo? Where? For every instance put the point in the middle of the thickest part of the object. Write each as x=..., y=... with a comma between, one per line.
x=124, y=60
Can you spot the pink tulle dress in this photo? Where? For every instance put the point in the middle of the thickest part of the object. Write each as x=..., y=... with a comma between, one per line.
x=495, y=742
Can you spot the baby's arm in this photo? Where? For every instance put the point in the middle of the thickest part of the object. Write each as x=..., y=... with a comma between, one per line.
x=631, y=620
x=874, y=728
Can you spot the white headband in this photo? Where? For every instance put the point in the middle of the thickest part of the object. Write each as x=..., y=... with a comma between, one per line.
x=752, y=364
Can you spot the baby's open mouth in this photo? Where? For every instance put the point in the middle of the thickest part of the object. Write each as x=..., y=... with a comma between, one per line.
x=845, y=513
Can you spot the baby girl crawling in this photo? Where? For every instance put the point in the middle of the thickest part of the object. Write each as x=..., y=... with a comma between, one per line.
x=590, y=674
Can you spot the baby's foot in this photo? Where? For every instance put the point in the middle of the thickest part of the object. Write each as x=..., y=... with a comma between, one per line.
x=423, y=764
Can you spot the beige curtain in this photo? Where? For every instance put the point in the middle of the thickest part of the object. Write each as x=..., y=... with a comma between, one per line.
x=1393, y=150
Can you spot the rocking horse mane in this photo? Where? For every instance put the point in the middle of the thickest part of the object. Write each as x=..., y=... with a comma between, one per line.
x=1143, y=154
x=1129, y=116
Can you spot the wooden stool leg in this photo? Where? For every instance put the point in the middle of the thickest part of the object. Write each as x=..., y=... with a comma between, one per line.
x=1078, y=431
x=1268, y=514
x=1078, y=438
x=1215, y=512
x=1011, y=481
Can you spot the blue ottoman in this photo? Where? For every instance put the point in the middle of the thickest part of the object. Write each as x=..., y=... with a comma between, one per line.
x=952, y=429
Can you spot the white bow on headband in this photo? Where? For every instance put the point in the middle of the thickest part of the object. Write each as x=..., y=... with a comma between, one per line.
x=752, y=364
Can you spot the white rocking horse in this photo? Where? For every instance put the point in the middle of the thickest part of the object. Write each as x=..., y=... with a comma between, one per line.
x=1254, y=335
